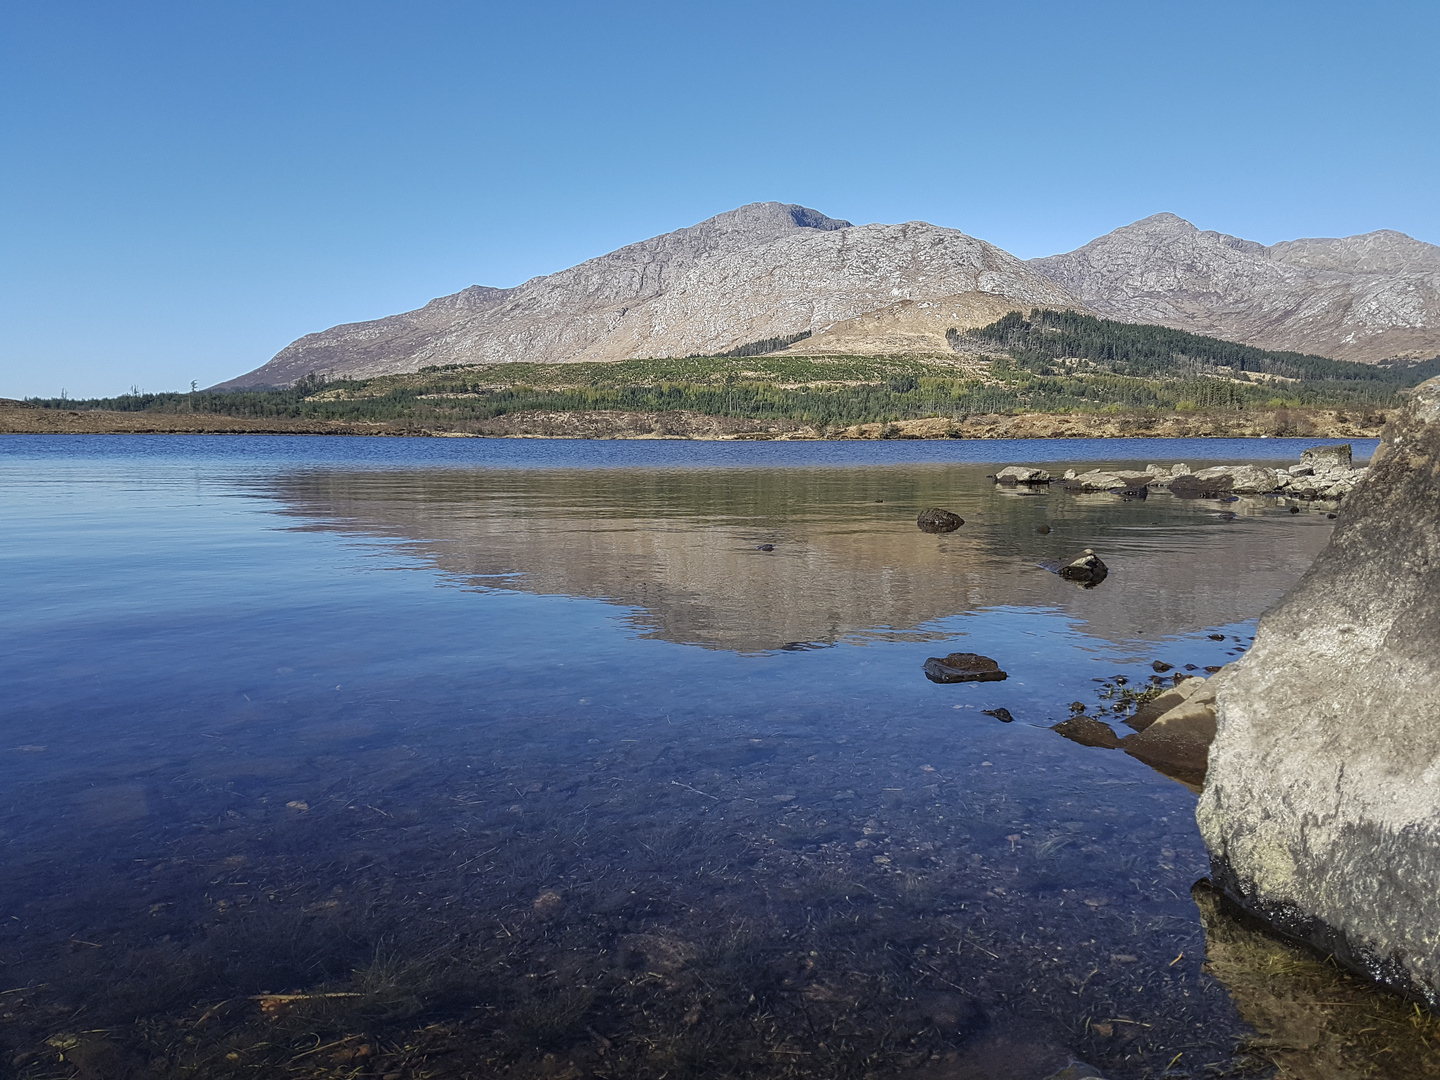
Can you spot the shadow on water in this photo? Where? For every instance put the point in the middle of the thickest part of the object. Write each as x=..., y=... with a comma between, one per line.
x=431, y=780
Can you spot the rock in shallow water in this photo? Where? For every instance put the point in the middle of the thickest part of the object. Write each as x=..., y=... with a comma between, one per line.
x=1086, y=569
x=1322, y=806
x=1087, y=731
x=1176, y=742
x=963, y=667
x=936, y=520
x=1021, y=474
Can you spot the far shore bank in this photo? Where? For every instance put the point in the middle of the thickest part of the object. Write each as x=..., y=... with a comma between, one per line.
x=615, y=424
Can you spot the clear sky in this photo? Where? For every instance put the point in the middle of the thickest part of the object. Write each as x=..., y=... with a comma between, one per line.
x=187, y=186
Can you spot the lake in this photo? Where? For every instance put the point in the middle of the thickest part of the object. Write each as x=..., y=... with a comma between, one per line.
x=468, y=758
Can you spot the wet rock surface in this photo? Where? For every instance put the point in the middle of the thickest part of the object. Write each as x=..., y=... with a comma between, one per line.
x=1322, y=809
x=1087, y=731
x=936, y=520
x=1176, y=742
x=1086, y=569
x=963, y=667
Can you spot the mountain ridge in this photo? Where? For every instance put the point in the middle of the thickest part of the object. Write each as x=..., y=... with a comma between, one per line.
x=1370, y=298
x=771, y=270
x=761, y=271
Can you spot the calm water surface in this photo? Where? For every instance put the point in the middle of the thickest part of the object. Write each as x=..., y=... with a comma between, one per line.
x=408, y=758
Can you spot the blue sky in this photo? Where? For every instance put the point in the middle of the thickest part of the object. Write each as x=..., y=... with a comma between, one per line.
x=188, y=186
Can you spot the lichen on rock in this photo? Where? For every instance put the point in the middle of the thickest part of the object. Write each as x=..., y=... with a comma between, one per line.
x=1321, y=808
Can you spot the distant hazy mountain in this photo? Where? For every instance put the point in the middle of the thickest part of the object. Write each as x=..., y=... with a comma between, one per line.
x=766, y=270
x=1369, y=298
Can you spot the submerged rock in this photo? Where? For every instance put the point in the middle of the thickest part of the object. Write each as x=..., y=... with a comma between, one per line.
x=1021, y=474
x=1322, y=806
x=1001, y=714
x=1087, y=731
x=1155, y=708
x=1177, y=741
x=963, y=667
x=936, y=520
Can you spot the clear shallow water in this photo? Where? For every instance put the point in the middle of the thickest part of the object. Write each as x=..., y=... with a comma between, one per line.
x=527, y=756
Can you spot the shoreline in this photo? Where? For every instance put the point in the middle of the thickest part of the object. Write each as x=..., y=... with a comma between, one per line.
x=612, y=425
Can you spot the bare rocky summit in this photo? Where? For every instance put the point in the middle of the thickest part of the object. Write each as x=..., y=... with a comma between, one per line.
x=767, y=270
x=772, y=271
x=1368, y=298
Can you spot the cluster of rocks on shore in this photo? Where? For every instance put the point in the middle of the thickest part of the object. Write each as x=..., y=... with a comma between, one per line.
x=1324, y=472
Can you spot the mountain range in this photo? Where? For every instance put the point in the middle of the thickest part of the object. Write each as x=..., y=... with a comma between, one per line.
x=773, y=273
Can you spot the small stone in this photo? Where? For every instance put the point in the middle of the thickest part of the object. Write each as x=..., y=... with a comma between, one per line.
x=936, y=520
x=1217, y=637
x=1003, y=715
x=1294, y=509
x=1044, y=530
x=764, y=547
x=1160, y=666
x=963, y=667
x=1086, y=569
x=549, y=905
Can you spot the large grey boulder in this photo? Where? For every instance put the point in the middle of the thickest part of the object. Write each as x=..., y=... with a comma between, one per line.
x=1321, y=808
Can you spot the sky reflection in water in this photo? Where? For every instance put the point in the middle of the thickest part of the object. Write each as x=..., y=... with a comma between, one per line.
x=554, y=761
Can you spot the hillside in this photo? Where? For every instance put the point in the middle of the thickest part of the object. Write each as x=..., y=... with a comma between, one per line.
x=1102, y=376
x=766, y=270
x=1367, y=298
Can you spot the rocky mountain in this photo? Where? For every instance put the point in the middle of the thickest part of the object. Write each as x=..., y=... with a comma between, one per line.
x=766, y=270
x=1369, y=298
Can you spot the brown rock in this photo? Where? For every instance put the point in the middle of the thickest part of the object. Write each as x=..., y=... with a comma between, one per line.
x=963, y=667
x=1087, y=731
x=936, y=520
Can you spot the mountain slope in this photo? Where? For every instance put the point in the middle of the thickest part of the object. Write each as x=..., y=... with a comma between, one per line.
x=765, y=270
x=1369, y=298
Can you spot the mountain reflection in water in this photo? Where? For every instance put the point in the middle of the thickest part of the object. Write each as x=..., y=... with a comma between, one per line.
x=352, y=758
x=680, y=547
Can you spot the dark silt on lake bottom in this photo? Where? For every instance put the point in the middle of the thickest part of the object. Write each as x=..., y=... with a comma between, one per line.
x=461, y=758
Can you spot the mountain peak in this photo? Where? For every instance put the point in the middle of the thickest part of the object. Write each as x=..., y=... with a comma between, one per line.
x=1368, y=298
x=768, y=217
x=1165, y=220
